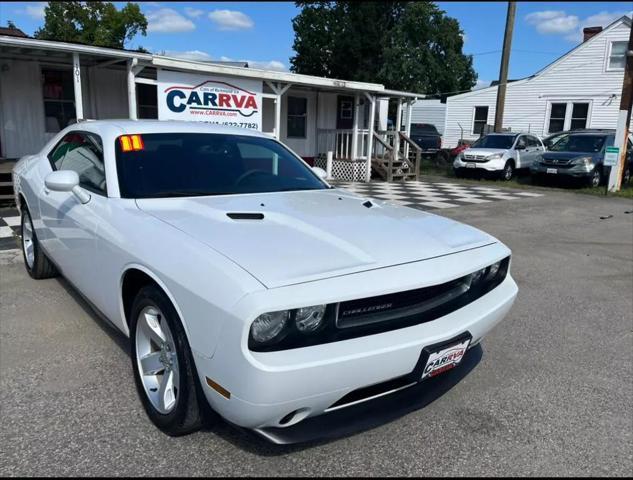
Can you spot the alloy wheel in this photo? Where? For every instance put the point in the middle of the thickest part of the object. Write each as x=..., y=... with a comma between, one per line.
x=27, y=240
x=157, y=360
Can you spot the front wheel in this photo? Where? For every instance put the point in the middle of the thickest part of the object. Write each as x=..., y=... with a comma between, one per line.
x=36, y=262
x=596, y=176
x=508, y=171
x=164, y=371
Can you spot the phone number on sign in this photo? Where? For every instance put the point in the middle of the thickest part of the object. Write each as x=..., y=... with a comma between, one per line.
x=254, y=126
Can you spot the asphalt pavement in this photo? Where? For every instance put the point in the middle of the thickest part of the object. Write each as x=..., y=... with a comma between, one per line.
x=551, y=395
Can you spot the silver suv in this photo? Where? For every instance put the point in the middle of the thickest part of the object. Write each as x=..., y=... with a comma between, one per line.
x=499, y=153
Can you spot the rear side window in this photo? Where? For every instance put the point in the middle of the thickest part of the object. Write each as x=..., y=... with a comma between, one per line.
x=81, y=152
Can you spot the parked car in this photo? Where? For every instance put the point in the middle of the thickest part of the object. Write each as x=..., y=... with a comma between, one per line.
x=550, y=140
x=579, y=155
x=427, y=138
x=500, y=154
x=244, y=280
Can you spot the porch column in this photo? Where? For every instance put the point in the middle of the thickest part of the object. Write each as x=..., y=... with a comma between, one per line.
x=79, y=104
x=355, y=127
x=370, y=134
x=408, y=125
x=396, y=140
x=279, y=91
x=131, y=88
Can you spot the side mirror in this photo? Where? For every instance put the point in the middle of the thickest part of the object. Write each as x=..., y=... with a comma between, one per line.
x=320, y=172
x=66, y=181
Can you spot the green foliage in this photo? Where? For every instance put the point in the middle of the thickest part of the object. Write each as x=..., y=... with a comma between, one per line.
x=11, y=24
x=410, y=46
x=92, y=23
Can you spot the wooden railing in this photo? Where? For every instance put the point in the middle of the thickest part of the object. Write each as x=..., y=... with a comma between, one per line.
x=340, y=142
x=411, y=153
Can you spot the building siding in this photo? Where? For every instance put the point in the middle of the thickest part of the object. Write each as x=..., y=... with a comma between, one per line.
x=429, y=111
x=582, y=75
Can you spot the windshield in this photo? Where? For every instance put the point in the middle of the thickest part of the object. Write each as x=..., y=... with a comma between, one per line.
x=579, y=143
x=191, y=164
x=494, y=141
x=420, y=128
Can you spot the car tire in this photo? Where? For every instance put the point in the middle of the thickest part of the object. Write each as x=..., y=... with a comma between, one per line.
x=36, y=262
x=595, y=180
x=172, y=399
x=508, y=171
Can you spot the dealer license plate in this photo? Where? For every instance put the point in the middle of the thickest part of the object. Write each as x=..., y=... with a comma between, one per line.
x=552, y=170
x=471, y=165
x=445, y=358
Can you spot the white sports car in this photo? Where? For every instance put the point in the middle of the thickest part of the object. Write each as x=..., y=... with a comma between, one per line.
x=246, y=281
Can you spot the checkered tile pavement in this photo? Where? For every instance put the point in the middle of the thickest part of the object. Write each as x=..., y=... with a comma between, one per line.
x=429, y=195
x=9, y=228
x=421, y=195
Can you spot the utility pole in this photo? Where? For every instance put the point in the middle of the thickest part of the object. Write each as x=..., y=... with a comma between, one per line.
x=624, y=118
x=503, y=71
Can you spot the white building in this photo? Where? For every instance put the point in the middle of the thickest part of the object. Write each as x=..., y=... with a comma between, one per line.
x=429, y=111
x=579, y=90
x=45, y=85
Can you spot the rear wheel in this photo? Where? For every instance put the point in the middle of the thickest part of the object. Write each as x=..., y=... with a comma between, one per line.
x=164, y=370
x=36, y=262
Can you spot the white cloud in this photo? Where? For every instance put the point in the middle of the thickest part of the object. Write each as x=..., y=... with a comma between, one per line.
x=193, y=12
x=34, y=10
x=196, y=55
x=602, y=19
x=552, y=21
x=263, y=65
x=231, y=20
x=481, y=84
x=168, y=20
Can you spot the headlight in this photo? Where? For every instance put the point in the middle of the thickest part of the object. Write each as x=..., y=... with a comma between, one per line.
x=488, y=277
x=586, y=161
x=269, y=326
x=309, y=319
x=494, y=156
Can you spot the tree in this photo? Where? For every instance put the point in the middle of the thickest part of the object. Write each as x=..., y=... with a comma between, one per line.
x=409, y=46
x=92, y=23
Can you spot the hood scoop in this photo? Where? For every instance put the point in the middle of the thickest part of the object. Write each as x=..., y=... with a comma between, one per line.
x=245, y=216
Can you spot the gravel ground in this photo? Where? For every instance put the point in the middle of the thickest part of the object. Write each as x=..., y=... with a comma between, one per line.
x=551, y=395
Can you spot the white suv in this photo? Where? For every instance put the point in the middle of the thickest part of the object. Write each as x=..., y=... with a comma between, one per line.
x=500, y=153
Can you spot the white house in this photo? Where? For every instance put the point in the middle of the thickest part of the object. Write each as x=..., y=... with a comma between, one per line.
x=45, y=85
x=579, y=90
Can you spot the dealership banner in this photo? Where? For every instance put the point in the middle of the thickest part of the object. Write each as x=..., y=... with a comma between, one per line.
x=210, y=98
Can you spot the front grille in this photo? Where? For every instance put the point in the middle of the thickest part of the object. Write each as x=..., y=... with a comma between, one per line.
x=472, y=157
x=554, y=162
x=382, y=308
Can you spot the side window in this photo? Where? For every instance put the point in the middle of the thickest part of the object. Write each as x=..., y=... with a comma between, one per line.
x=521, y=143
x=533, y=142
x=82, y=153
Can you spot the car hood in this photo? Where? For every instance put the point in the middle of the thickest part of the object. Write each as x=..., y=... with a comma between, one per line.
x=311, y=235
x=484, y=151
x=567, y=155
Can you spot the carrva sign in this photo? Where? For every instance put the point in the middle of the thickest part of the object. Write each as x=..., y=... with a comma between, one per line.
x=611, y=156
x=209, y=98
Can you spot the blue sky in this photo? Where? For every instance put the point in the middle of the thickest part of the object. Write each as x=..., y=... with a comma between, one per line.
x=261, y=32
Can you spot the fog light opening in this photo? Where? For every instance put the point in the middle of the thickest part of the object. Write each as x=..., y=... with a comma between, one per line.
x=294, y=417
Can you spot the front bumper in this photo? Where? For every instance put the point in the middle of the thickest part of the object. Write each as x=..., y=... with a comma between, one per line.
x=267, y=386
x=576, y=171
x=496, y=165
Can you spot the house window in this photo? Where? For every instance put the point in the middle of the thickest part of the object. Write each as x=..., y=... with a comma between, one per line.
x=617, y=57
x=146, y=99
x=480, y=121
x=59, y=99
x=579, y=114
x=297, y=115
x=557, y=117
